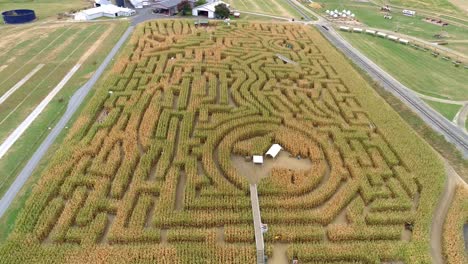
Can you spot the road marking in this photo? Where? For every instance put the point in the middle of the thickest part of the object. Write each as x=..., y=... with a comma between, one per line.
x=13, y=137
x=20, y=83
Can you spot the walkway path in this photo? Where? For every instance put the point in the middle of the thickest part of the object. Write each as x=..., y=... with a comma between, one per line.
x=257, y=224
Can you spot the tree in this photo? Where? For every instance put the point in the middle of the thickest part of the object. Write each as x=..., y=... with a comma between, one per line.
x=200, y=2
x=184, y=7
x=222, y=11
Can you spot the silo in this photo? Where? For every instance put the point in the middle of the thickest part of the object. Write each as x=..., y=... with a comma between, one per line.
x=120, y=3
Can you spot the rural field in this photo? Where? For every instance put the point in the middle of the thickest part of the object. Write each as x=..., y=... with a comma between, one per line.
x=155, y=168
x=35, y=60
x=418, y=70
x=271, y=7
x=369, y=14
x=45, y=9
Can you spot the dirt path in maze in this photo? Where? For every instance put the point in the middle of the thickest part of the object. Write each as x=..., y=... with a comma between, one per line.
x=440, y=213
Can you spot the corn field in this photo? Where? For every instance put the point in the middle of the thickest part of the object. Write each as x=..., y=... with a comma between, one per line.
x=152, y=179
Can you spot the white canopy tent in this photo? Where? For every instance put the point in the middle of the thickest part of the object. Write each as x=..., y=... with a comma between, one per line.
x=274, y=150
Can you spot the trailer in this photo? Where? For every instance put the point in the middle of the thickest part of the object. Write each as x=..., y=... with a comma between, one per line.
x=370, y=32
x=358, y=30
x=343, y=28
x=381, y=34
x=403, y=41
x=391, y=37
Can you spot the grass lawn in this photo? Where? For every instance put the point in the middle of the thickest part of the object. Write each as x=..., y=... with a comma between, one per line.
x=416, y=69
x=370, y=15
x=447, y=110
x=271, y=7
x=18, y=155
x=433, y=5
x=45, y=8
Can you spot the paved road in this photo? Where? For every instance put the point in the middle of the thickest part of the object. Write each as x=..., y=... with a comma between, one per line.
x=75, y=101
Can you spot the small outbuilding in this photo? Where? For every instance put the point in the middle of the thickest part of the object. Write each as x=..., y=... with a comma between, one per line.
x=274, y=150
x=169, y=7
x=104, y=11
x=257, y=159
x=208, y=9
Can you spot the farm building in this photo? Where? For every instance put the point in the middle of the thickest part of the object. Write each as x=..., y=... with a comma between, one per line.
x=207, y=10
x=139, y=3
x=169, y=7
x=104, y=11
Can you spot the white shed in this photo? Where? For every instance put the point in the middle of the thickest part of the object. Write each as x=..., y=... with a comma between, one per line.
x=274, y=150
x=104, y=11
x=257, y=159
x=207, y=9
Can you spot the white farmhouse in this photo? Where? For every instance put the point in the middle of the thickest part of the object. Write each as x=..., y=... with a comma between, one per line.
x=207, y=10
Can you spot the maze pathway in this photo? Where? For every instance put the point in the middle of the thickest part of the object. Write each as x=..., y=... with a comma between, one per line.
x=148, y=169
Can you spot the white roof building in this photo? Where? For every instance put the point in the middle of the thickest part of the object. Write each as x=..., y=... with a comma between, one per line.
x=207, y=9
x=257, y=159
x=274, y=150
x=104, y=11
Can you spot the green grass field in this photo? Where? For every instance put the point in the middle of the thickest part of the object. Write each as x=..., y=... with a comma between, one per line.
x=370, y=15
x=416, y=69
x=271, y=7
x=25, y=99
x=432, y=5
x=447, y=110
x=45, y=8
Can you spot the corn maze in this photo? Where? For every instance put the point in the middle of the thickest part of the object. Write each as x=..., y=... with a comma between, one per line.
x=147, y=174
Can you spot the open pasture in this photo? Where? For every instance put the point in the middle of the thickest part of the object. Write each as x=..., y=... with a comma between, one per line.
x=154, y=169
x=271, y=7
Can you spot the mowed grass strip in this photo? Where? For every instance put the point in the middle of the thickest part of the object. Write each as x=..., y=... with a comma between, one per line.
x=433, y=5
x=271, y=7
x=32, y=51
x=23, y=101
x=418, y=70
x=447, y=110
